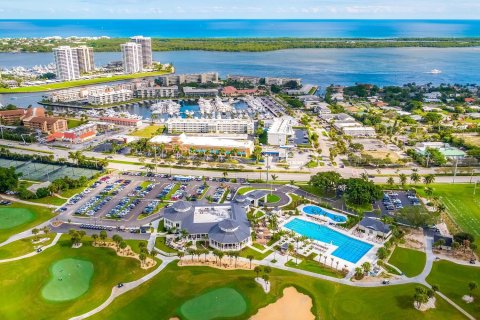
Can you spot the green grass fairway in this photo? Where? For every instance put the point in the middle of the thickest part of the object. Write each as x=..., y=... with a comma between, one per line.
x=69, y=279
x=219, y=303
x=452, y=280
x=23, y=246
x=21, y=222
x=13, y=217
x=23, y=281
x=410, y=261
x=462, y=205
x=162, y=296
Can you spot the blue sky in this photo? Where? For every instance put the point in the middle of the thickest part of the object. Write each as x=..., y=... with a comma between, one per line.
x=229, y=9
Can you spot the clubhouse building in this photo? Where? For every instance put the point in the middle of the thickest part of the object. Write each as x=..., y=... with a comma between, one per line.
x=225, y=226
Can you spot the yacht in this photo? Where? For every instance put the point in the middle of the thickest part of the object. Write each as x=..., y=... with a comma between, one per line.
x=435, y=71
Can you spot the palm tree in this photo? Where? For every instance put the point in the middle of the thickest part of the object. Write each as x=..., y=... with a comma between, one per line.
x=123, y=245
x=403, y=179
x=142, y=258
x=250, y=258
x=390, y=181
x=428, y=178
x=94, y=237
x=472, y=286
x=290, y=250
x=428, y=191
x=266, y=278
x=257, y=270
x=274, y=178
x=225, y=174
x=336, y=268
x=181, y=254
x=103, y=235
x=415, y=177
x=320, y=257
x=331, y=262
x=366, y=267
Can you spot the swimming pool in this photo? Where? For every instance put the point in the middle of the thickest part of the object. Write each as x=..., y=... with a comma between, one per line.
x=319, y=211
x=349, y=249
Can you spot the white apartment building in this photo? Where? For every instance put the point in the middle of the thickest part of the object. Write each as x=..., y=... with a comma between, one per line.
x=109, y=97
x=86, y=61
x=281, y=81
x=66, y=62
x=157, y=92
x=146, y=43
x=177, y=79
x=279, y=131
x=132, y=57
x=190, y=125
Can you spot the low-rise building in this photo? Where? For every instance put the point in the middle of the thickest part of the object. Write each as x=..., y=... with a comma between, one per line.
x=202, y=144
x=36, y=119
x=374, y=227
x=279, y=131
x=225, y=226
x=199, y=92
x=122, y=121
x=191, y=125
x=110, y=97
x=359, y=131
x=178, y=79
x=156, y=92
x=249, y=79
x=230, y=91
x=12, y=117
x=446, y=149
x=281, y=81
x=80, y=134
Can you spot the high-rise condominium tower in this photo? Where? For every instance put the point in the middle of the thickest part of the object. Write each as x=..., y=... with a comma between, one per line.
x=132, y=57
x=66, y=61
x=146, y=44
x=85, y=59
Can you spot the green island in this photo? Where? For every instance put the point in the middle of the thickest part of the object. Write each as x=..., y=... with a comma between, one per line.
x=410, y=262
x=252, y=44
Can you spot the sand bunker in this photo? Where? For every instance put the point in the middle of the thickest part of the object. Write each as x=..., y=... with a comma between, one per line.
x=293, y=305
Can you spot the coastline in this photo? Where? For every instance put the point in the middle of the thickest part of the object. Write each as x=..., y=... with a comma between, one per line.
x=248, y=44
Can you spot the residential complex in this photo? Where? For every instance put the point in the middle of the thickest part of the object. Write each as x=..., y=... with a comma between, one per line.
x=12, y=117
x=110, y=97
x=86, y=62
x=132, y=57
x=190, y=125
x=36, y=119
x=199, y=92
x=281, y=81
x=204, y=144
x=178, y=79
x=66, y=62
x=122, y=121
x=280, y=130
x=156, y=92
x=146, y=44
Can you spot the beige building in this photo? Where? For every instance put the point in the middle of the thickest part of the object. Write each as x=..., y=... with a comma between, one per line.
x=191, y=125
x=66, y=62
x=146, y=44
x=177, y=79
x=132, y=57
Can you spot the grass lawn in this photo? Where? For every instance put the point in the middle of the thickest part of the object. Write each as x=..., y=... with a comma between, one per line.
x=160, y=244
x=163, y=296
x=410, y=261
x=452, y=280
x=53, y=200
x=73, y=123
x=462, y=205
x=148, y=131
x=256, y=255
x=77, y=83
x=314, y=266
x=244, y=190
x=38, y=215
x=222, y=302
x=272, y=198
x=24, y=246
x=22, y=281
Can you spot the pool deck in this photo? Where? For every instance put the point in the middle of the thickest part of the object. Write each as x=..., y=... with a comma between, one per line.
x=370, y=256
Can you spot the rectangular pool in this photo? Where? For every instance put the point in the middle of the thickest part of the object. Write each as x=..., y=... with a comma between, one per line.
x=349, y=249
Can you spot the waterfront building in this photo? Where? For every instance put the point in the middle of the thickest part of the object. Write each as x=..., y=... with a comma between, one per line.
x=36, y=119
x=12, y=117
x=279, y=131
x=199, y=92
x=191, y=125
x=156, y=92
x=66, y=62
x=80, y=134
x=249, y=79
x=146, y=43
x=234, y=92
x=282, y=81
x=132, y=57
x=86, y=61
x=122, y=121
x=204, y=144
x=225, y=226
x=178, y=79
x=110, y=97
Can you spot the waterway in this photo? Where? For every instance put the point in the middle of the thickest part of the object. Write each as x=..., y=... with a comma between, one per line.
x=238, y=28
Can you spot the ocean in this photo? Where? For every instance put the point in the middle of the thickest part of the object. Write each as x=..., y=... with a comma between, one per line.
x=242, y=28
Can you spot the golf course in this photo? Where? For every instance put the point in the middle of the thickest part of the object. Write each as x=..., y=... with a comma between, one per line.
x=18, y=217
x=88, y=275
x=177, y=290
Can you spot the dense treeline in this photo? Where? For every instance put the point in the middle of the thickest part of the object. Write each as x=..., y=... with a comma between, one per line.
x=244, y=44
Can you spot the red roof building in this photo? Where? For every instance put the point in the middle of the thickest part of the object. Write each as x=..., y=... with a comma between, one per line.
x=231, y=91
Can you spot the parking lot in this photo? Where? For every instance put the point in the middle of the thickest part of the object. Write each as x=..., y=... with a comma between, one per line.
x=393, y=201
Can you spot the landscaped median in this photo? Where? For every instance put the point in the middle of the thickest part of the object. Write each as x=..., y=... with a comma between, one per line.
x=83, y=82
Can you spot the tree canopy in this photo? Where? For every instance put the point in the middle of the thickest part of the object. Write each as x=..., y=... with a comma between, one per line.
x=8, y=179
x=359, y=191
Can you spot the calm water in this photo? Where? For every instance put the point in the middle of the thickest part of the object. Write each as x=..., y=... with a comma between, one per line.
x=242, y=28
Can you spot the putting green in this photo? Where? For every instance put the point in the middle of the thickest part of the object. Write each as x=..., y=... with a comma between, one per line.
x=12, y=217
x=70, y=278
x=219, y=303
